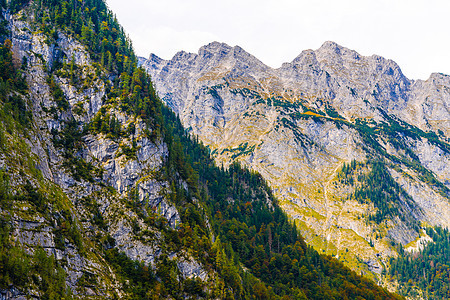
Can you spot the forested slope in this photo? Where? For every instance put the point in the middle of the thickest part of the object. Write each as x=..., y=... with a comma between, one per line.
x=427, y=269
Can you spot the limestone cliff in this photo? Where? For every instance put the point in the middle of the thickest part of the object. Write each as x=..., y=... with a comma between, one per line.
x=302, y=126
x=73, y=190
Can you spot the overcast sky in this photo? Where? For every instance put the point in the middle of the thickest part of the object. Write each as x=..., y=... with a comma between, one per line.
x=415, y=34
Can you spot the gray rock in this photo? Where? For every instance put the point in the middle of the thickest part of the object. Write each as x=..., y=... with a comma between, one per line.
x=110, y=193
x=246, y=111
x=192, y=269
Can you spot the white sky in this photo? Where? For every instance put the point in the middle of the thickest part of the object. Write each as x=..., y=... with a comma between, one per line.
x=414, y=33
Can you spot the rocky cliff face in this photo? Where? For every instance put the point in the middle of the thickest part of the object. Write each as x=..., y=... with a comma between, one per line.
x=314, y=128
x=92, y=185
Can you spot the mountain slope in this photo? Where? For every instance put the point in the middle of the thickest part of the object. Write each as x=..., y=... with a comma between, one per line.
x=357, y=153
x=104, y=195
x=83, y=172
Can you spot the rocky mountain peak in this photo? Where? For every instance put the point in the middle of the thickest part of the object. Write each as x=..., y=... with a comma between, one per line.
x=333, y=55
x=333, y=50
x=330, y=46
x=439, y=78
x=329, y=51
x=223, y=49
x=231, y=58
x=154, y=60
x=183, y=56
x=214, y=49
x=305, y=57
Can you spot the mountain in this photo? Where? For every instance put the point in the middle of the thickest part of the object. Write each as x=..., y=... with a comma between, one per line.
x=357, y=154
x=103, y=193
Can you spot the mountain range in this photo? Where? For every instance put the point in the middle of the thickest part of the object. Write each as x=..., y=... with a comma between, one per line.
x=357, y=154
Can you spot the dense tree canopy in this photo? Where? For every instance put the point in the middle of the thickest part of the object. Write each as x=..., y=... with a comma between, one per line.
x=428, y=269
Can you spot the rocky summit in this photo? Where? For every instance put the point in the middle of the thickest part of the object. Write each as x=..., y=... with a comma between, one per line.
x=357, y=153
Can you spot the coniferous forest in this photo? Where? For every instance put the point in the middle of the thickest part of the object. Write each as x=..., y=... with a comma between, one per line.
x=428, y=269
